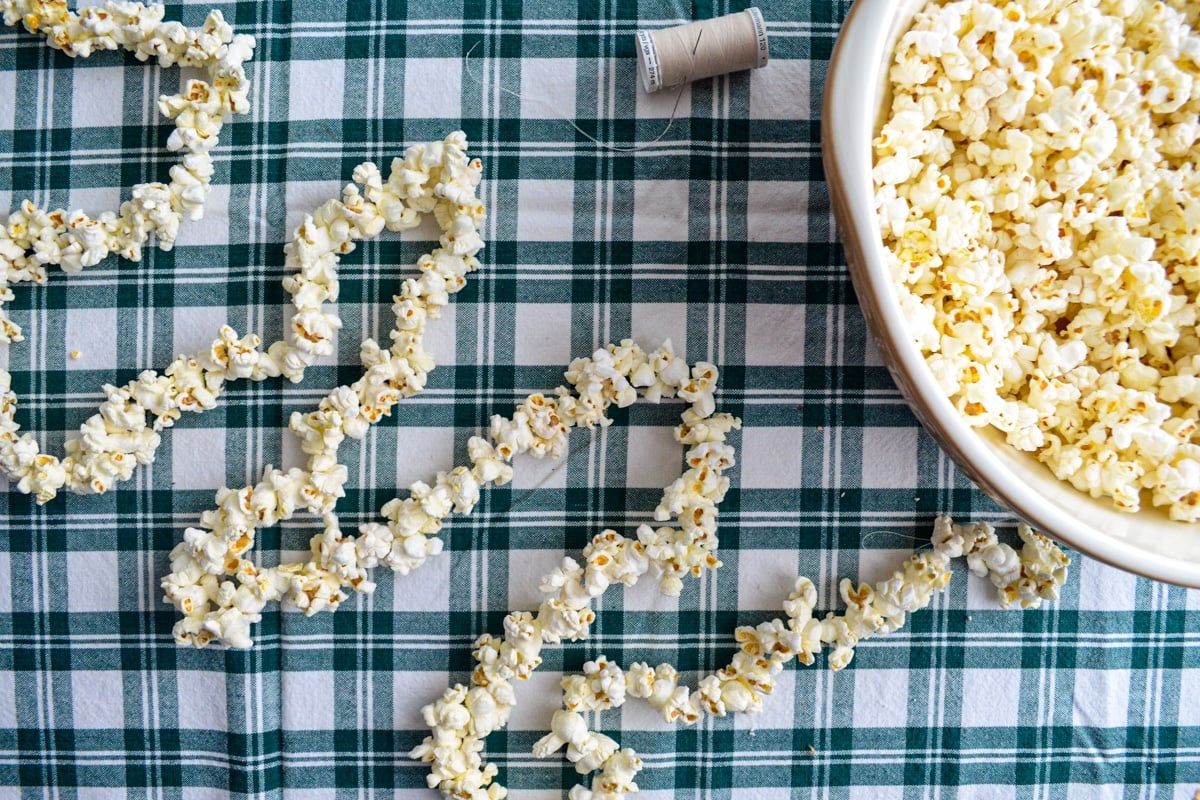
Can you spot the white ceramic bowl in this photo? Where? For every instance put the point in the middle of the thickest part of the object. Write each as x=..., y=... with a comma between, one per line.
x=856, y=90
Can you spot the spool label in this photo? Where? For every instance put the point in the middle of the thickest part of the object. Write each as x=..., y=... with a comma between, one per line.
x=650, y=68
x=760, y=33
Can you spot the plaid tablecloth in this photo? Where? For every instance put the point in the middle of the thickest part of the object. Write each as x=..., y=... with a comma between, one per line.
x=719, y=237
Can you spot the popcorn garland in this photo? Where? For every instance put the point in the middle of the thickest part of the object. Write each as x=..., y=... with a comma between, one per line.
x=115, y=440
x=221, y=593
x=34, y=237
x=435, y=178
x=464, y=716
x=685, y=546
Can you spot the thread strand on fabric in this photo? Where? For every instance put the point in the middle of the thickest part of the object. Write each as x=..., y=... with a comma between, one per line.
x=676, y=57
x=603, y=145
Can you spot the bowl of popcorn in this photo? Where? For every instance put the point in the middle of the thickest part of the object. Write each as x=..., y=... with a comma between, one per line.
x=1016, y=188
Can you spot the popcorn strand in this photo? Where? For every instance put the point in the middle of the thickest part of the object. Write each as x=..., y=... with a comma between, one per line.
x=435, y=178
x=1036, y=190
x=1026, y=577
x=463, y=717
x=35, y=238
x=221, y=593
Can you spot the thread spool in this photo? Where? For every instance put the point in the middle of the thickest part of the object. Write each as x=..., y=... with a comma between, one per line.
x=674, y=56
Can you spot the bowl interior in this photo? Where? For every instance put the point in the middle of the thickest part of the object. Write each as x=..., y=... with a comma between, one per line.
x=856, y=94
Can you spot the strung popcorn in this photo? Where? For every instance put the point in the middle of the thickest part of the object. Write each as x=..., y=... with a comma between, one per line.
x=437, y=178
x=1040, y=569
x=35, y=238
x=221, y=593
x=1026, y=577
x=871, y=610
x=683, y=547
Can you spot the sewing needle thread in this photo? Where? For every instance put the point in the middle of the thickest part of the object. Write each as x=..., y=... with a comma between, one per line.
x=671, y=121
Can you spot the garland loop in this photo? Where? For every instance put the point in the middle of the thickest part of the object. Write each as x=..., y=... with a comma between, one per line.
x=34, y=237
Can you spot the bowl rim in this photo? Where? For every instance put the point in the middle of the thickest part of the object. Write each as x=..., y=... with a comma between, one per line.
x=872, y=26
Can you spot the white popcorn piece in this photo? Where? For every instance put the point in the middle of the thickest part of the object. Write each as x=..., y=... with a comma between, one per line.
x=615, y=779
x=601, y=686
x=487, y=464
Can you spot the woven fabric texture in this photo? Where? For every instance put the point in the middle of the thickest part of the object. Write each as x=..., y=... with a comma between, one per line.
x=719, y=237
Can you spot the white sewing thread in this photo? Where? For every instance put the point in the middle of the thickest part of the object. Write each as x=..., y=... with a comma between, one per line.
x=571, y=122
x=676, y=57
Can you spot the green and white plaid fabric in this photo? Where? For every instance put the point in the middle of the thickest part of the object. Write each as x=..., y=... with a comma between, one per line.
x=719, y=237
